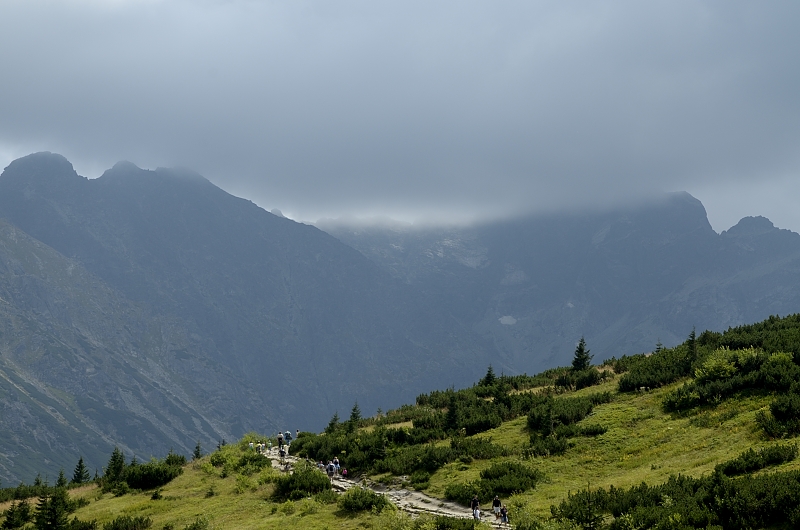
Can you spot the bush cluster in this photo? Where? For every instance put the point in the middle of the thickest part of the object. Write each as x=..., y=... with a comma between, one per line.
x=725, y=373
x=305, y=481
x=120, y=477
x=710, y=502
x=504, y=478
x=362, y=499
x=751, y=460
x=659, y=369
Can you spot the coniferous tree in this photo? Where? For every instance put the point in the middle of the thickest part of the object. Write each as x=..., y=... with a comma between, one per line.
x=355, y=414
x=355, y=418
x=51, y=510
x=333, y=424
x=489, y=379
x=17, y=515
x=198, y=452
x=451, y=419
x=582, y=360
x=61, y=481
x=692, y=343
x=38, y=480
x=81, y=474
x=115, y=468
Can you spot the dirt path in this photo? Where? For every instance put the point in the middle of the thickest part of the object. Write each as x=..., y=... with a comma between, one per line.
x=410, y=501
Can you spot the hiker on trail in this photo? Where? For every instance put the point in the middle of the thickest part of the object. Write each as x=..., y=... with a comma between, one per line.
x=344, y=473
x=287, y=436
x=330, y=469
x=496, y=507
x=297, y=433
x=504, y=514
x=476, y=514
x=269, y=445
x=474, y=503
x=280, y=440
x=336, y=464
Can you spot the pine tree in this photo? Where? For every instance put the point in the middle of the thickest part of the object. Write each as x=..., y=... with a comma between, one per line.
x=61, y=481
x=198, y=452
x=489, y=379
x=582, y=360
x=115, y=468
x=81, y=474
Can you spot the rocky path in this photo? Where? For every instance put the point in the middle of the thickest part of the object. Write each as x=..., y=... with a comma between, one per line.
x=410, y=501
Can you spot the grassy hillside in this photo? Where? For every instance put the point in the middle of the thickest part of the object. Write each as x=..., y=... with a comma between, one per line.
x=719, y=411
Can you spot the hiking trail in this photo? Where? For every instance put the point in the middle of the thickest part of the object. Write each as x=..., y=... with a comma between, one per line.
x=410, y=501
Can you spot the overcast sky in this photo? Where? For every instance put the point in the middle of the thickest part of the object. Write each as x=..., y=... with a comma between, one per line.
x=419, y=110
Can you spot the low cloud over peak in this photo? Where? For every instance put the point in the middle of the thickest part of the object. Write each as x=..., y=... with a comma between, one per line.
x=445, y=111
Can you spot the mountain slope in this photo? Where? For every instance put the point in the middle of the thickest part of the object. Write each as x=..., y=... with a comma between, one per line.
x=305, y=324
x=624, y=279
x=82, y=369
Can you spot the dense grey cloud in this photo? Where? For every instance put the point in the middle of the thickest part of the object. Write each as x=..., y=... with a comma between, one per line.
x=418, y=110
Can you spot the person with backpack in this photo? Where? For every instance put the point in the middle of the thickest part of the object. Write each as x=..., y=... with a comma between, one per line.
x=504, y=514
x=496, y=507
x=280, y=440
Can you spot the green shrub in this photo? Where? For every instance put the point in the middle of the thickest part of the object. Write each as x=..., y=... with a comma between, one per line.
x=750, y=460
x=546, y=446
x=77, y=524
x=361, y=499
x=305, y=481
x=199, y=524
x=420, y=479
x=151, y=475
x=503, y=478
x=125, y=522
x=326, y=497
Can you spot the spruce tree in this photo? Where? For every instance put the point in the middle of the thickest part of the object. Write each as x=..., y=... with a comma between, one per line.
x=115, y=468
x=61, y=481
x=451, y=419
x=333, y=424
x=81, y=474
x=692, y=343
x=355, y=418
x=198, y=452
x=51, y=510
x=355, y=414
x=17, y=515
x=489, y=379
x=582, y=360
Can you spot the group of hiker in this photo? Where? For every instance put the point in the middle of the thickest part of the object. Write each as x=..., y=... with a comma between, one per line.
x=284, y=440
x=500, y=510
x=333, y=468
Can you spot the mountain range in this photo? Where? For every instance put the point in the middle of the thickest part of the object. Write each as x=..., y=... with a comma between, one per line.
x=152, y=310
